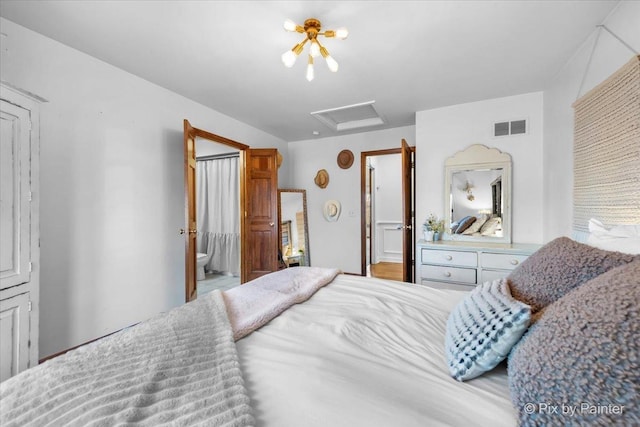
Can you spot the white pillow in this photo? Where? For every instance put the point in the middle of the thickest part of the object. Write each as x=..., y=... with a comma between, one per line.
x=489, y=228
x=482, y=329
x=477, y=224
x=620, y=238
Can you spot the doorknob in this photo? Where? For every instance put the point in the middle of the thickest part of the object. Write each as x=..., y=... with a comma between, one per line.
x=191, y=231
x=271, y=224
x=403, y=227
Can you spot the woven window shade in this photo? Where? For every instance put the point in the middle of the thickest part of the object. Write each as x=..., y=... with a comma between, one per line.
x=606, y=153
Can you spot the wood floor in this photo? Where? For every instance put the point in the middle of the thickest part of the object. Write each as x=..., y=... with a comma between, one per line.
x=387, y=270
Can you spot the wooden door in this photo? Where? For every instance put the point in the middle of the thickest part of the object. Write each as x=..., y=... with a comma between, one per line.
x=191, y=231
x=260, y=204
x=407, y=213
x=190, y=211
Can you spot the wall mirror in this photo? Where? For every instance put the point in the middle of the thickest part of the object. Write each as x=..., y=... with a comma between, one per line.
x=294, y=227
x=477, y=193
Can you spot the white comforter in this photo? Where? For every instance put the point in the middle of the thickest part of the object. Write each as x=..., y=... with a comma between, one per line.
x=366, y=352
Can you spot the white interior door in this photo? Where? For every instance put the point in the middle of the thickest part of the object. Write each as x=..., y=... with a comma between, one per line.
x=19, y=228
x=15, y=194
x=14, y=330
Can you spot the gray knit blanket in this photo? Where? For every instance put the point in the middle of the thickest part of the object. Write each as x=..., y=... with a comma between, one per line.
x=179, y=368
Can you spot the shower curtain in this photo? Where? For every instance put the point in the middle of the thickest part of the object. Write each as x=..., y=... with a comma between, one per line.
x=218, y=213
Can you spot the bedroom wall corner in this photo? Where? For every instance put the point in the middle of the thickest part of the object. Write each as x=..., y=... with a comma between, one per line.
x=607, y=57
x=112, y=191
x=337, y=244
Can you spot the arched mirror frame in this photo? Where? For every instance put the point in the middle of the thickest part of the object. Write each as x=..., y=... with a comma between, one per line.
x=307, y=255
x=479, y=157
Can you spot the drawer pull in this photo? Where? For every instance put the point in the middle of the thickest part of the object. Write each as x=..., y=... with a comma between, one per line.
x=514, y=262
x=447, y=274
x=448, y=257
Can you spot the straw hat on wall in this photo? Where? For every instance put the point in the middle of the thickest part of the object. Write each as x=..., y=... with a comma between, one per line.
x=322, y=178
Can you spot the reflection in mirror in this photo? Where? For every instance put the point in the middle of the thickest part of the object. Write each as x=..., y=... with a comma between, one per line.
x=294, y=229
x=477, y=194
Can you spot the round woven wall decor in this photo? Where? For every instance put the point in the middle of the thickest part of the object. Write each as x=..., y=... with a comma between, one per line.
x=345, y=159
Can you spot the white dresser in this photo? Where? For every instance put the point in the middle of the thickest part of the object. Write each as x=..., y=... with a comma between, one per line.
x=460, y=265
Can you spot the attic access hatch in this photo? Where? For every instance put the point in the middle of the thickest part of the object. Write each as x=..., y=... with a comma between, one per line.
x=350, y=117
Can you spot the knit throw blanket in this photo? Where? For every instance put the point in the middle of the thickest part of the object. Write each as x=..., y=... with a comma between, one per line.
x=255, y=303
x=180, y=368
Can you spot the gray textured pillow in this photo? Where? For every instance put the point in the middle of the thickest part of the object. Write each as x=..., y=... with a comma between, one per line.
x=557, y=268
x=580, y=364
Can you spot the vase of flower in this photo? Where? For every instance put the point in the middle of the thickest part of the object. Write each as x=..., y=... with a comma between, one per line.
x=434, y=227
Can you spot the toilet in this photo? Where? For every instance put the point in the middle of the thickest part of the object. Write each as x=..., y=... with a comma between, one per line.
x=201, y=261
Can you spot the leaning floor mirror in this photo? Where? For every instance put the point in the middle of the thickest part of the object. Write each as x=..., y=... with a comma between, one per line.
x=294, y=227
x=478, y=195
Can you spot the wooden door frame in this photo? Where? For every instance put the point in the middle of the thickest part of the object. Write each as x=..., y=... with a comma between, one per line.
x=408, y=235
x=363, y=200
x=190, y=194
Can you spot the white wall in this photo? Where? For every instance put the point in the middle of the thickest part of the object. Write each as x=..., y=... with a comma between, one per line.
x=442, y=132
x=112, y=191
x=609, y=55
x=337, y=244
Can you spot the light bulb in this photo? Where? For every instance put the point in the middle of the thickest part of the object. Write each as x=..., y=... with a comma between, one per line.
x=310, y=69
x=331, y=63
x=289, y=58
x=289, y=25
x=314, y=49
x=342, y=33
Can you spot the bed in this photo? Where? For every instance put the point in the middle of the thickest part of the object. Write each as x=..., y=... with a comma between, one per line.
x=366, y=352
x=309, y=346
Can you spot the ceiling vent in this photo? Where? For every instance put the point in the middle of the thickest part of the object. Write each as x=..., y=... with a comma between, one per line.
x=350, y=117
x=515, y=127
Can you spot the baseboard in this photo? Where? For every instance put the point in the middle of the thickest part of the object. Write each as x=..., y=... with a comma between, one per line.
x=60, y=353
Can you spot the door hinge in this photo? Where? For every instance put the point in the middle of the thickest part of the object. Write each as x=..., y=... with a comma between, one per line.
x=30, y=196
x=30, y=267
x=30, y=306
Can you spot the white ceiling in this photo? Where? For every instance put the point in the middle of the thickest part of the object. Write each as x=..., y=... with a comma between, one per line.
x=408, y=56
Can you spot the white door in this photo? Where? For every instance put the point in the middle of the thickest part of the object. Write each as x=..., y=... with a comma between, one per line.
x=14, y=331
x=19, y=245
x=15, y=191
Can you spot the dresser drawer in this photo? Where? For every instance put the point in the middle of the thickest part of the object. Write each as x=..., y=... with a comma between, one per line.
x=501, y=261
x=491, y=275
x=458, y=258
x=448, y=274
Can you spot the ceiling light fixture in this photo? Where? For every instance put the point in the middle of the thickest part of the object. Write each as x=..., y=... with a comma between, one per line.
x=312, y=29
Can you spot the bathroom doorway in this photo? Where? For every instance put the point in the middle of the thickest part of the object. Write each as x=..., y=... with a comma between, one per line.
x=217, y=216
x=193, y=141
